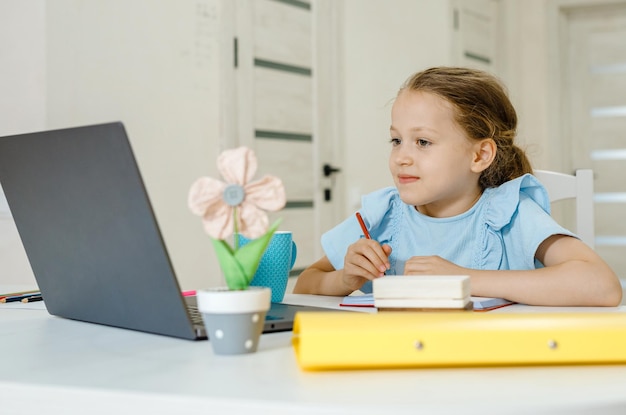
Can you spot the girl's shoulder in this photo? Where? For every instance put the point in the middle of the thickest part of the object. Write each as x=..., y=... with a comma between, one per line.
x=382, y=196
x=504, y=201
x=380, y=202
x=383, y=210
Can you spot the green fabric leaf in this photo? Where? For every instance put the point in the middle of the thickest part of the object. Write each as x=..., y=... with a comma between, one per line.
x=240, y=265
x=233, y=272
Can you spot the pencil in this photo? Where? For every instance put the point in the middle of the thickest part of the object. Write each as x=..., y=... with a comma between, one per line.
x=32, y=299
x=363, y=227
x=31, y=292
x=366, y=233
x=18, y=297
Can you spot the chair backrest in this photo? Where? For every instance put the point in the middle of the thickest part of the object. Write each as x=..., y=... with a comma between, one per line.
x=580, y=187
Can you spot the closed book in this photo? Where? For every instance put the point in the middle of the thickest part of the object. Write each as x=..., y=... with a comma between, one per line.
x=459, y=303
x=339, y=340
x=422, y=286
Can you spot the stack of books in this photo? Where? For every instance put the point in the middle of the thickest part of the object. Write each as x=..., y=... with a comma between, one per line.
x=423, y=292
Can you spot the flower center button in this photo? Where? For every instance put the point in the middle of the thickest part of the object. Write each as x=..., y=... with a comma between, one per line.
x=234, y=194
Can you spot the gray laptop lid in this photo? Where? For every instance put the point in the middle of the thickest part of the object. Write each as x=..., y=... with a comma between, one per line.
x=90, y=234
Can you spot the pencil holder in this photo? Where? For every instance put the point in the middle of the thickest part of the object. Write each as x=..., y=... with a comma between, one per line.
x=277, y=261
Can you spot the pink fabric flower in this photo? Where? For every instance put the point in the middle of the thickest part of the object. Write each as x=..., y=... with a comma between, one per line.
x=216, y=201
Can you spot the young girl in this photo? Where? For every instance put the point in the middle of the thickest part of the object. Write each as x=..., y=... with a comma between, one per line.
x=464, y=203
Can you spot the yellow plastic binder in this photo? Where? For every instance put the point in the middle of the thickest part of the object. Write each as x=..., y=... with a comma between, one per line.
x=336, y=340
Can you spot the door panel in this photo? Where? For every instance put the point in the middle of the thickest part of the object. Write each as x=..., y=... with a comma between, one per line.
x=607, y=133
x=602, y=91
x=610, y=210
x=275, y=110
x=606, y=174
x=299, y=187
x=595, y=101
x=282, y=32
x=282, y=101
x=475, y=39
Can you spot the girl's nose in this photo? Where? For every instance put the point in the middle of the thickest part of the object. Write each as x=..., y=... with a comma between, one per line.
x=402, y=157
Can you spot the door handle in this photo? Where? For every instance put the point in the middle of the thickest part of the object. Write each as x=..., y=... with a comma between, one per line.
x=329, y=170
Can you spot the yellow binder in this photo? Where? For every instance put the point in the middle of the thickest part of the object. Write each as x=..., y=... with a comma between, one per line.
x=339, y=340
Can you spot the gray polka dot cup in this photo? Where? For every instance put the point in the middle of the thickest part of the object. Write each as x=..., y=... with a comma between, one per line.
x=234, y=319
x=277, y=261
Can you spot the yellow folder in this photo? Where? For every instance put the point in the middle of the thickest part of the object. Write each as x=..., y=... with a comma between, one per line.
x=340, y=340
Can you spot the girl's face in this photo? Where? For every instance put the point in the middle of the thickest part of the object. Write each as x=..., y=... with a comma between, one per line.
x=432, y=161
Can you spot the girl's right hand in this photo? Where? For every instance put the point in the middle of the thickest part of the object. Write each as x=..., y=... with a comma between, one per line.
x=365, y=260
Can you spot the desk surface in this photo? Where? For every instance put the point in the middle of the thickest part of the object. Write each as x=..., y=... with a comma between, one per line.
x=61, y=366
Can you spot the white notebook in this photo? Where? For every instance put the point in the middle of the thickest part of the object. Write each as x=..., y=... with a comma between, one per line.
x=480, y=303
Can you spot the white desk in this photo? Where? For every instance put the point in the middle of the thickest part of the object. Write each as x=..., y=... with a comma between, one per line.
x=58, y=366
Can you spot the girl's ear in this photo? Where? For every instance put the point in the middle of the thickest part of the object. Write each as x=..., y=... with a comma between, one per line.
x=484, y=154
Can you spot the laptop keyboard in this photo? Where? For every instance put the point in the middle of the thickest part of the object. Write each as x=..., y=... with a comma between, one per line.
x=194, y=313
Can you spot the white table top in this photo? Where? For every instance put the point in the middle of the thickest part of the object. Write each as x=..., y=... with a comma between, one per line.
x=61, y=366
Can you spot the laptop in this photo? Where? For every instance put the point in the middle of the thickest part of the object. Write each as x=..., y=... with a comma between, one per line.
x=90, y=234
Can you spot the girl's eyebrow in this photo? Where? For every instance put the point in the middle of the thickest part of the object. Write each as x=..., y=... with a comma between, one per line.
x=416, y=129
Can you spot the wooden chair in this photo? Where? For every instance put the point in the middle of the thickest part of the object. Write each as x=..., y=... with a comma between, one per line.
x=580, y=187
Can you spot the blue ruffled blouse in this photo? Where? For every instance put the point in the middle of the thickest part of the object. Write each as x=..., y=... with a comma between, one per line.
x=502, y=231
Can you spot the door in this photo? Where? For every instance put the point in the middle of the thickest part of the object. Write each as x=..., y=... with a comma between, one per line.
x=279, y=64
x=595, y=115
x=475, y=40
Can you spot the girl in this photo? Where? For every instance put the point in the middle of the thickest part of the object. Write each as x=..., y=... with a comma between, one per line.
x=464, y=203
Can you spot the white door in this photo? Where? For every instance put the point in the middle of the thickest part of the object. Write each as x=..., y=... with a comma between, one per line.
x=279, y=61
x=475, y=39
x=595, y=116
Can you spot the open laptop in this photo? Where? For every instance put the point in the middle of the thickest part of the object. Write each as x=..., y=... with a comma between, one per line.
x=90, y=234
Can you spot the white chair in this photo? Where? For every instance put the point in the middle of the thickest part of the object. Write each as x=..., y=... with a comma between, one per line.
x=580, y=187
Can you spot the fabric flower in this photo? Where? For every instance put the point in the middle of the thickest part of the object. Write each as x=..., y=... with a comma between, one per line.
x=239, y=204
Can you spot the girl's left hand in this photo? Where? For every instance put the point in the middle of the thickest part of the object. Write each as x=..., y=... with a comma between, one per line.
x=432, y=265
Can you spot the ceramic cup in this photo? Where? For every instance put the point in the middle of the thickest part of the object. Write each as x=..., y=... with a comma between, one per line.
x=277, y=261
x=234, y=319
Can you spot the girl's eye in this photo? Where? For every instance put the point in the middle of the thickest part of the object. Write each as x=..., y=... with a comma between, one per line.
x=395, y=142
x=422, y=142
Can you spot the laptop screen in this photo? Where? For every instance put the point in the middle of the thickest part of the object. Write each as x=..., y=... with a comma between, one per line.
x=86, y=223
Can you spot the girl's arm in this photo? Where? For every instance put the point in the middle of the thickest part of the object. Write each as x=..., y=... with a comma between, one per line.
x=574, y=275
x=321, y=278
x=365, y=260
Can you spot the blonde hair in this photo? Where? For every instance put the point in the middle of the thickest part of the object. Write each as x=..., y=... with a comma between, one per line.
x=483, y=110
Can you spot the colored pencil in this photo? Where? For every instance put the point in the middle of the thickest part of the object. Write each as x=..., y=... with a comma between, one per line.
x=363, y=227
x=366, y=233
x=20, y=297
x=5, y=295
x=32, y=299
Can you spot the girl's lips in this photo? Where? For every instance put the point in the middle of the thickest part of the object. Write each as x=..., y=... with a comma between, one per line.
x=403, y=179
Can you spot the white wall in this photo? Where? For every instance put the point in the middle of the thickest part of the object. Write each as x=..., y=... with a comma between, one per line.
x=154, y=65
x=384, y=42
x=22, y=108
x=22, y=65
x=150, y=64
x=525, y=66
